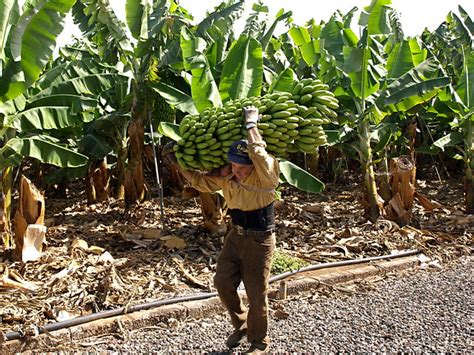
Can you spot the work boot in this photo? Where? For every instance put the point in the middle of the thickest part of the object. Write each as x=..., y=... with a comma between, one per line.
x=235, y=338
x=258, y=348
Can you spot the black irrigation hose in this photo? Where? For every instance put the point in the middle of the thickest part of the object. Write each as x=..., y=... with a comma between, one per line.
x=110, y=313
x=342, y=263
x=140, y=307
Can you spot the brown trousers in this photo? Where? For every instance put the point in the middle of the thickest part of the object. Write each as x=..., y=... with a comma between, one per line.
x=246, y=257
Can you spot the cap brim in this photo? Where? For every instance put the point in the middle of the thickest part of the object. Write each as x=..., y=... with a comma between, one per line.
x=239, y=159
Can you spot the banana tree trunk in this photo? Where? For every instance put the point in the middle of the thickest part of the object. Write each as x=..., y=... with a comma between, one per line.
x=313, y=163
x=469, y=179
x=469, y=191
x=410, y=135
x=386, y=180
x=372, y=201
x=6, y=181
x=98, y=182
x=403, y=175
x=120, y=171
x=29, y=222
x=212, y=212
x=134, y=180
x=212, y=209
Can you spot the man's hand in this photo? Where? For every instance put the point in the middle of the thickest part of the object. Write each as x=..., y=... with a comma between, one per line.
x=251, y=114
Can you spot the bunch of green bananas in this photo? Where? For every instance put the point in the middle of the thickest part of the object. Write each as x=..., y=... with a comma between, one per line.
x=290, y=122
x=316, y=105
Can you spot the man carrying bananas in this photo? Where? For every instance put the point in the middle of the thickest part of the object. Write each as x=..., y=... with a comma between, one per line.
x=246, y=256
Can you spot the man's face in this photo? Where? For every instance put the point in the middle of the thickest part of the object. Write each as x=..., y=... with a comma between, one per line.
x=241, y=171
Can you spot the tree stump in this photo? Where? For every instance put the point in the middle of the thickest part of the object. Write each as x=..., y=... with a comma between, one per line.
x=97, y=182
x=213, y=213
x=29, y=222
x=402, y=183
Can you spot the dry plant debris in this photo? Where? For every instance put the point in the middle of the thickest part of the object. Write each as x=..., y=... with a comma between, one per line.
x=101, y=257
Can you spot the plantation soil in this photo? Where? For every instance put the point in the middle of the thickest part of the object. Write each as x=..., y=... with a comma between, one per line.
x=102, y=256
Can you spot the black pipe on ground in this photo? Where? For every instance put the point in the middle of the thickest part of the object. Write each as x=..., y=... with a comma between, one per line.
x=140, y=307
x=342, y=263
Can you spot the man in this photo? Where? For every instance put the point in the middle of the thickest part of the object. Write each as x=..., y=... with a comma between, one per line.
x=247, y=253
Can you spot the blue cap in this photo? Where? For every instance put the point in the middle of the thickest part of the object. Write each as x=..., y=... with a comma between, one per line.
x=238, y=153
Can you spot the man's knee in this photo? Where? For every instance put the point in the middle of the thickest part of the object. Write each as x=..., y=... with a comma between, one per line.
x=259, y=302
x=222, y=283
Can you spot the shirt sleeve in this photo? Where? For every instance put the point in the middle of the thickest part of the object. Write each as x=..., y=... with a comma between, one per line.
x=204, y=183
x=266, y=165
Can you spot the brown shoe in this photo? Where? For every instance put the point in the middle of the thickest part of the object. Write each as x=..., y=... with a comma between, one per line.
x=258, y=348
x=235, y=338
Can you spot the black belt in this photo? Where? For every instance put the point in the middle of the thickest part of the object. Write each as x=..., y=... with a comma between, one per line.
x=262, y=219
x=251, y=232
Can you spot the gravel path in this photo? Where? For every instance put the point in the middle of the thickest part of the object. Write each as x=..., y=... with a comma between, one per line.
x=427, y=311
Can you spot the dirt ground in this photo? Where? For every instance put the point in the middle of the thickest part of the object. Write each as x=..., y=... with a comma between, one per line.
x=102, y=257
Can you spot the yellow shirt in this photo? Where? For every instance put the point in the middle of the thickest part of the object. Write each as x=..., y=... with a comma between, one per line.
x=255, y=191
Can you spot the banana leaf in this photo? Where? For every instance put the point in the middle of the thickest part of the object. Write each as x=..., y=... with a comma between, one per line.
x=416, y=82
x=450, y=140
x=242, y=73
x=203, y=86
x=284, y=81
x=220, y=22
x=113, y=125
x=136, y=15
x=98, y=17
x=46, y=118
x=94, y=84
x=170, y=130
x=280, y=16
x=9, y=14
x=63, y=72
x=309, y=48
x=95, y=146
x=337, y=33
x=175, y=97
x=41, y=148
x=404, y=57
x=31, y=41
x=464, y=90
x=299, y=178
x=76, y=103
x=300, y=35
x=364, y=74
x=376, y=17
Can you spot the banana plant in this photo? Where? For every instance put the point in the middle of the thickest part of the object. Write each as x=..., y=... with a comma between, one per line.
x=63, y=100
x=452, y=44
x=149, y=40
x=262, y=28
x=241, y=77
x=219, y=74
x=373, y=76
x=27, y=40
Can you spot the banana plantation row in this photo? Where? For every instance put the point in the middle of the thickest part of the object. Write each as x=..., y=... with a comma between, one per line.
x=378, y=97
